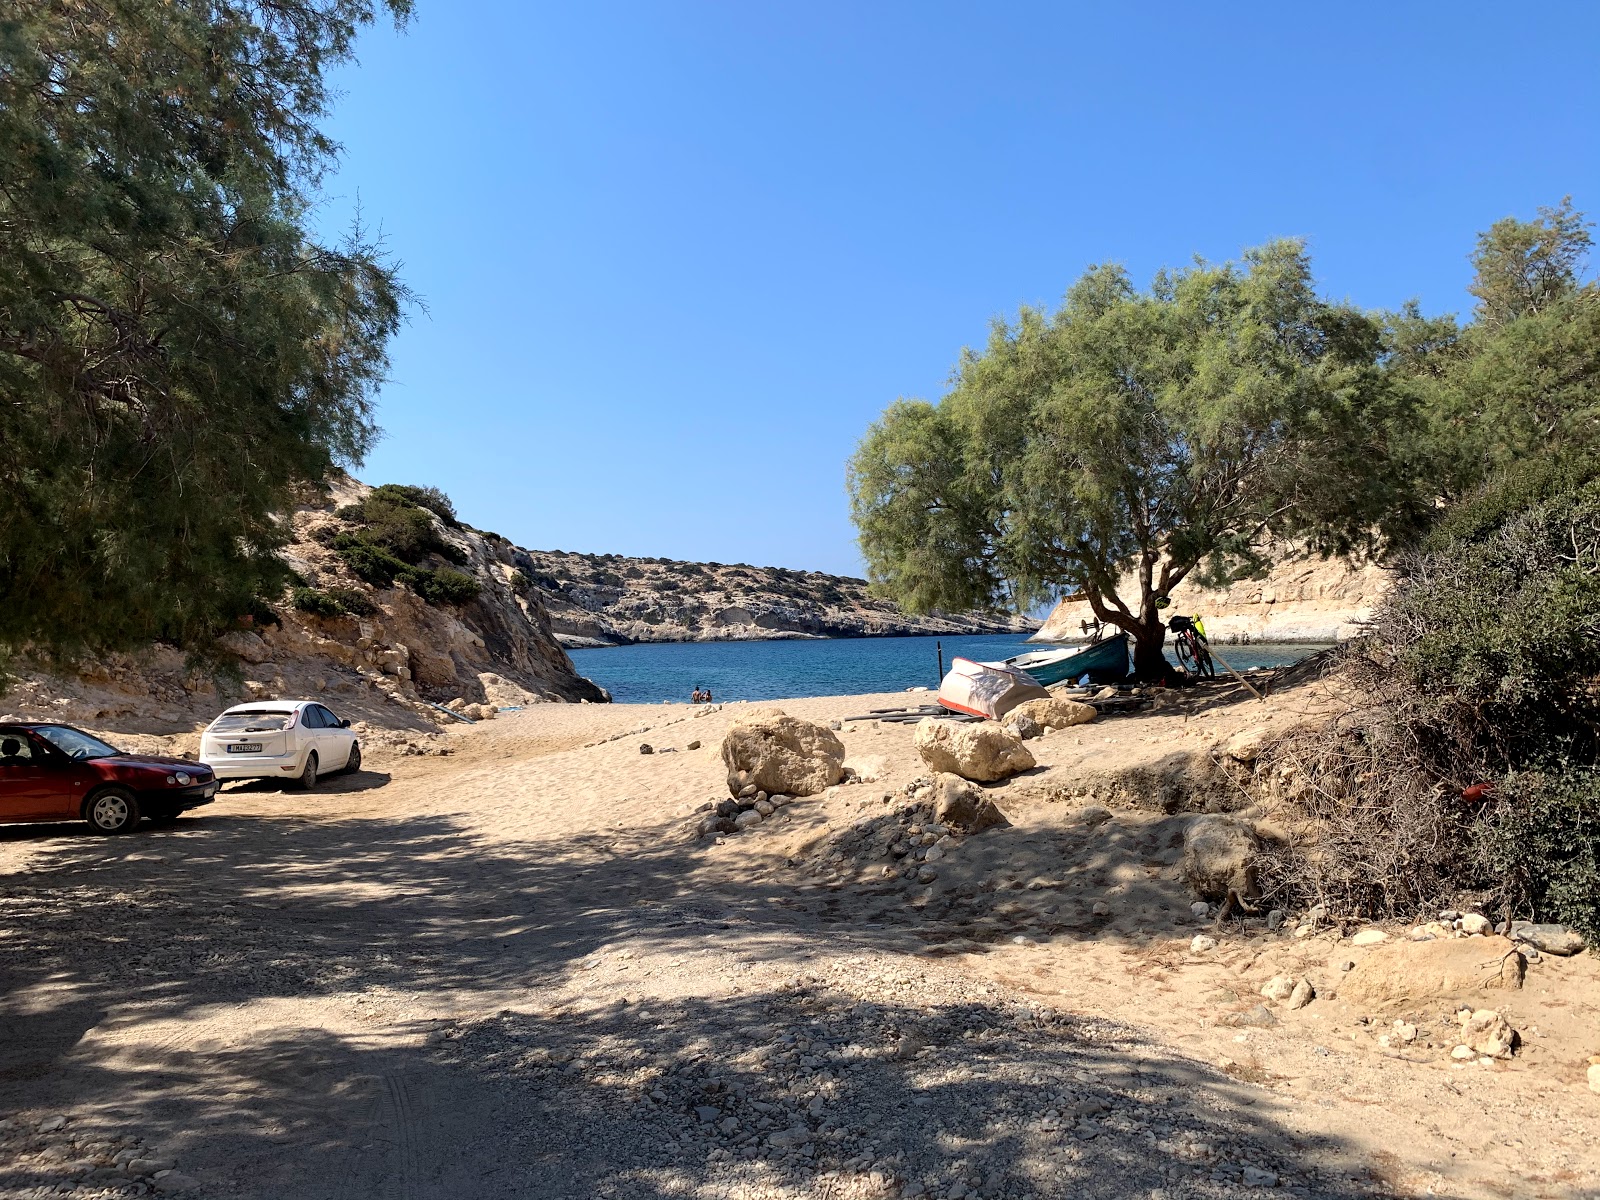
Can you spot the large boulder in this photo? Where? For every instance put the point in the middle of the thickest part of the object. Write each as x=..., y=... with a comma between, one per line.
x=1446, y=968
x=1220, y=856
x=963, y=805
x=984, y=752
x=780, y=754
x=1055, y=712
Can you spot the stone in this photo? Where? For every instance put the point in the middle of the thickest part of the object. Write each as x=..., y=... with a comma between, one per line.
x=695, y=745
x=1101, y=909
x=1024, y=726
x=765, y=808
x=1056, y=712
x=1448, y=968
x=1279, y=988
x=646, y=748
x=51, y=1124
x=1257, y=1017
x=1219, y=858
x=984, y=751
x=747, y=792
x=707, y=1113
x=1462, y=1053
x=1201, y=943
x=1551, y=939
x=1488, y=1033
x=748, y=819
x=1476, y=924
x=1302, y=995
x=1405, y=1031
x=778, y=753
x=1594, y=1077
x=963, y=805
x=1258, y=1177
x=1369, y=937
x=1276, y=918
x=1200, y=910
x=149, y=1166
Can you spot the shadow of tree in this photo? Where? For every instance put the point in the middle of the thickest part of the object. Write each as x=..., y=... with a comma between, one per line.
x=844, y=1068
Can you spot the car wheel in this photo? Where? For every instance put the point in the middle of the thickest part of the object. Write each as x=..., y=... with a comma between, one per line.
x=112, y=810
x=353, y=763
x=308, y=775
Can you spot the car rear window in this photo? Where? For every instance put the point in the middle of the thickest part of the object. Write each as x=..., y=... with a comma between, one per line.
x=252, y=721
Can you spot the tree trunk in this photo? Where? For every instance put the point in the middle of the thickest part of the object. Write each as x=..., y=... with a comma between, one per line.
x=1150, y=665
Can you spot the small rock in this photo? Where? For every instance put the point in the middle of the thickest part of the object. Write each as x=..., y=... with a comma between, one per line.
x=748, y=819
x=1487, y=1033
x=1279, y=988
x=1552, y=939
x=646, y=748
x=1200, y=910
x=748, y=792
x=1369, y=937
x=1259, y=1017
x=765, y=808
x=1450, y=914
x=51, y=1124
x=1476, y=923
x=1302, y=995
x=692, y=746
x=1276, y=918
x=1256, y=1177
x=707, y=1113
x=1202, y=943
x=1101, y=909
x=1405, y=1031
x=926, y=875
x=149, y=1166
x=1463, y=1053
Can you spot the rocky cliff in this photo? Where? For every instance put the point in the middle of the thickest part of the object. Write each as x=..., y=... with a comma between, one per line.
x=605, y=599
x=1300, y=600
x=394, y=611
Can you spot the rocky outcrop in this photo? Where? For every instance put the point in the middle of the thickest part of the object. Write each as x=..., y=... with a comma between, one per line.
x=605, y=599
x=1299, y=600
x=1446, y=968
x=984, y=752
x=360, y=647
x=768, y=751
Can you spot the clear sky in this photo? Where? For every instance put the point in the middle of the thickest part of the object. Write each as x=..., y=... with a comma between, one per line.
x=676, y=256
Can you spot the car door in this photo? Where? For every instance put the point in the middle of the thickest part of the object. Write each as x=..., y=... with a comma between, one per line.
x=335, y=738
x=35, y=785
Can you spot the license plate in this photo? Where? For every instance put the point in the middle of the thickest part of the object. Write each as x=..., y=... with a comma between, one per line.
x=245, y=748
x=211, y=790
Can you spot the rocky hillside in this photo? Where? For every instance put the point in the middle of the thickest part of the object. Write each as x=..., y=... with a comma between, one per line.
x=606, y=599
x=397, y=607
x=1299, y=600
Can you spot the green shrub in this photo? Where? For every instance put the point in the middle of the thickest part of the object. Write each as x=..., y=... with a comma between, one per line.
x=1539, y=838
x=316, y=602
x=443, y=586
x=430, y=498
x=356, y=603
x=368, y=561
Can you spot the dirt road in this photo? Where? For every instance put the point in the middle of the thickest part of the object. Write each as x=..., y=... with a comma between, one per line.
x=507, y=973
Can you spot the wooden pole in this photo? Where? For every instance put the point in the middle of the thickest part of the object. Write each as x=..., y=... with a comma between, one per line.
x=939, y=646
x=1236, y=674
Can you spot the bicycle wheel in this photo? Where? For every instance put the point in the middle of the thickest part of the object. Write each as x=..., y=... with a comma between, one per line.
x=1186, y=656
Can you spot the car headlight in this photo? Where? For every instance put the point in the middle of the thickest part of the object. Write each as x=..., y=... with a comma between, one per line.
x=182, y=779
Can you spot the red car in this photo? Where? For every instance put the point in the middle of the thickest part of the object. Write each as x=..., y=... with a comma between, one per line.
x=58, y=773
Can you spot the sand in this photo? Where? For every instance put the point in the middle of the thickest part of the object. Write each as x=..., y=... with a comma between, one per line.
x=509, y=970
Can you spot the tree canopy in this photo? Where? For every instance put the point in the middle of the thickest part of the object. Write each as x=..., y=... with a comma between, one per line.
x=1154, y=434
x=178, y=352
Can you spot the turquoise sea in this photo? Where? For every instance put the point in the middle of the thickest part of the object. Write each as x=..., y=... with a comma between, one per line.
x=651, y=673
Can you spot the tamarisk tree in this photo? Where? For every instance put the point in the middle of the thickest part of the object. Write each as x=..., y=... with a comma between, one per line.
x=1131, y=439
x=178, y=351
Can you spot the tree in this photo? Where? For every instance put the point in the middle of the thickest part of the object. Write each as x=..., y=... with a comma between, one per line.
x=178, y=353
x=1130, y=439
x=1523, y=378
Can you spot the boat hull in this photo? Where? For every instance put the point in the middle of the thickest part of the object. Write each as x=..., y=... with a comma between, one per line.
x=1103, y=662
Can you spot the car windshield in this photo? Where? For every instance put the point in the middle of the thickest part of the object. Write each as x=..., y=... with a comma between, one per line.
x=75, y=743
x=252, y=720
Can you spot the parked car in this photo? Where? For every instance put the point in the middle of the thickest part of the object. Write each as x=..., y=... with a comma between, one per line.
x=57, y=773
x=294, y=740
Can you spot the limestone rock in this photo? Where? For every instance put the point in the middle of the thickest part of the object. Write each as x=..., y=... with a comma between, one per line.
x=1057, y=712
x=963, y=805
x=1219, y=856
x=1279, y=988
x=1302, y=995
x=1488, y=1033
x=1369, y=937
x=984, y=752
x=1476, y=923
x=1412, y=972
x=775, y=752
x=1024, y=726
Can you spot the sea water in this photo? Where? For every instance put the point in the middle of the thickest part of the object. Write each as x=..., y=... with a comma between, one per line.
x=649, y=673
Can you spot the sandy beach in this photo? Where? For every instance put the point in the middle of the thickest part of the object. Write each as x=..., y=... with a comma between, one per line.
x=510, y=969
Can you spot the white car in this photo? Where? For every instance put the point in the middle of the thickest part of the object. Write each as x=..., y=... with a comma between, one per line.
x=294, y=740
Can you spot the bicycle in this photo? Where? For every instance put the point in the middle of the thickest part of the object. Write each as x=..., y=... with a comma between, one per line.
x=1189, y=641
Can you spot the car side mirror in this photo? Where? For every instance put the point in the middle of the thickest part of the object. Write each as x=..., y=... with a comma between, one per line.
x=345, y=724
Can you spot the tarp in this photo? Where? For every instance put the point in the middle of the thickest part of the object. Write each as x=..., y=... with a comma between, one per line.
x=986, y=689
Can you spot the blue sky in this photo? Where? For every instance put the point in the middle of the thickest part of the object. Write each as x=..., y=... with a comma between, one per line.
x=677, y=257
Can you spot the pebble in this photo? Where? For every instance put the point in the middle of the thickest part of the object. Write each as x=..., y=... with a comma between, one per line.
x=748, y=819
x=1256, y=1177
x=1101, y=909
x=1369, y=937
x=1200, y=910
x=51, y=1124
x=1475, y=924
x=692, y=746
x=1302, y=995
x=646, y=748
x=1278, y=988
x=1202, y=943
x=1276, y=918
